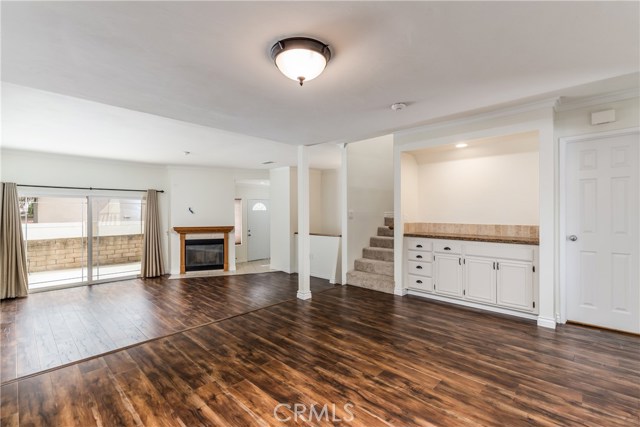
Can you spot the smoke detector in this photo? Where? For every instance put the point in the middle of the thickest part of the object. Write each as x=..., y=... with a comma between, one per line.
x=398, y=106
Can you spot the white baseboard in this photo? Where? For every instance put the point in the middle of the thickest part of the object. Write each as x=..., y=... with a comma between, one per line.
x=400, y=292
x=456, y=301
x=546, y=322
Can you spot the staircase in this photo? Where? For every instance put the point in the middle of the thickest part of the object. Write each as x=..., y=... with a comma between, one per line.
x=375, y=269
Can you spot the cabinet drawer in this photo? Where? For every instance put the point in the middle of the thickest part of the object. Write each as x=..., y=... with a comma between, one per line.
x=418, y=244
x=420, y=282
x=500, y=250
x=447, y=247
x=419, y=268
x=418, y=256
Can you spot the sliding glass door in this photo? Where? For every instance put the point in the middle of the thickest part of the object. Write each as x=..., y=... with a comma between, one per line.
x=74, y=240
x=54, y=229
x=117, y=237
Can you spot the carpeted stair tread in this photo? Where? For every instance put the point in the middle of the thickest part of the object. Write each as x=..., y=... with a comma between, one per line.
x=371, y=281
x=385, y=232
x=384, y=268
x=381, y=242
x=381, y=254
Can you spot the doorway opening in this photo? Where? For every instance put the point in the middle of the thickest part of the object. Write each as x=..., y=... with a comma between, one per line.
x=258, y=229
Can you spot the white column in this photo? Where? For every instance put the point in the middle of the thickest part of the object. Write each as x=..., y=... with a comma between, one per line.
x=344, y=214
x=398, y=222
x=304, y=260
x=547, y=221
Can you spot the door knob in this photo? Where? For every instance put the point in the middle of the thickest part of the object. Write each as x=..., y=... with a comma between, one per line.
x=573, y=237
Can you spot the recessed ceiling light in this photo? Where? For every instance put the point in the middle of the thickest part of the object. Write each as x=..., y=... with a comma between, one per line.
x=398, y=106
x=462, y=145
x=268, y=162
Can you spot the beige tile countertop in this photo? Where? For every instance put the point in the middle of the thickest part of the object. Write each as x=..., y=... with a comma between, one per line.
x=477, y=238
x=495, y=233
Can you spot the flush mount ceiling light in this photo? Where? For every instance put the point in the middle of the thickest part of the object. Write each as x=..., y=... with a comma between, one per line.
x=300, y=58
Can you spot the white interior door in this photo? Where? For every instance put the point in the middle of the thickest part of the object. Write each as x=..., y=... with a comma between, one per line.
x=258, y=229
x=602, y=225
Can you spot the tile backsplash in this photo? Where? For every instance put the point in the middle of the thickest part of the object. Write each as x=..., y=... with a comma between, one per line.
x=473, y=229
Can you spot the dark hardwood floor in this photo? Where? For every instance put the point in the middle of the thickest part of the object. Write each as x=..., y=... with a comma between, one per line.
x=397, y=361
x=51, y=329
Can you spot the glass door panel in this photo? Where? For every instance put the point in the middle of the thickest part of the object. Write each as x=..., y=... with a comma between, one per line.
x=117, y=229
x=54, y=229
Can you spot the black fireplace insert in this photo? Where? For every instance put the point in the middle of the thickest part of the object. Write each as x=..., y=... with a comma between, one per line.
x=204, y=254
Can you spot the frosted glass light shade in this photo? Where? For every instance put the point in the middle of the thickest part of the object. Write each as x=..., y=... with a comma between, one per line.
x=300, y=58
x=301, y=64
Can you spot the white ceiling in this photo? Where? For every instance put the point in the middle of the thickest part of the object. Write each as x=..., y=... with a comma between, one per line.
x=36, y=120
x=207, y=63
x=524, y=142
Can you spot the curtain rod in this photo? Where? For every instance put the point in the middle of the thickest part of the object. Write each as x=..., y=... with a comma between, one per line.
x=85, y=188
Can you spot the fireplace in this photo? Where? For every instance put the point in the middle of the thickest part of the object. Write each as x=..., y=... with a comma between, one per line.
x=183, y=231
x=204, y=254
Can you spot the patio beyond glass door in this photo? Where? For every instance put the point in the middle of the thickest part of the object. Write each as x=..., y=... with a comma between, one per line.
x=55, y=232
x=117, y=230
x=73, y=240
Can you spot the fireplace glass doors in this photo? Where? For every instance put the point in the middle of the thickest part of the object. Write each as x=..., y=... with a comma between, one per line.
x=204, y=254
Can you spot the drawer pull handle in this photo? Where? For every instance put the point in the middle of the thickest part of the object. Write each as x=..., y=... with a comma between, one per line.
x=419, y=267
x=419, y=282
x=418, y=246
x=447, y=248
x=419, y=256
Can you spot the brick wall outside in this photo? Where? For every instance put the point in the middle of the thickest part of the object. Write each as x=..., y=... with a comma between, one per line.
x=60, y=254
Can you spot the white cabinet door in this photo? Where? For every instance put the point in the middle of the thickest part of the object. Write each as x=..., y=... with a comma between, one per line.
x=480, y=279
x=448, y=275
x=515, y=284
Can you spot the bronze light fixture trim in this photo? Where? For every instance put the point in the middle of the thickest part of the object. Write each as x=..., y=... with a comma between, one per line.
x=300, y=58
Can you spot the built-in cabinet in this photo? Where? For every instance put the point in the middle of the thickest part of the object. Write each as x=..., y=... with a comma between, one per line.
x=480, y=279
x=448, y=277
x=495, y=275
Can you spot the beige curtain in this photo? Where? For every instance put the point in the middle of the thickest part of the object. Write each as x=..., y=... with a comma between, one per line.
x=152, y=265
x=13, y=255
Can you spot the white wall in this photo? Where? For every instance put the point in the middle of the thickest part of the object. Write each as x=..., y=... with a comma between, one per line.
x=532, y=118
x=578, y=121
x=492, y=182
x=248, y=192
x=331, y=202
x=369, y=191
x=315, y=201
x=324, y=201
x=280, y=195
x=409, y=173
x=324, y=214
x=24, y=167
x=210, y=193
